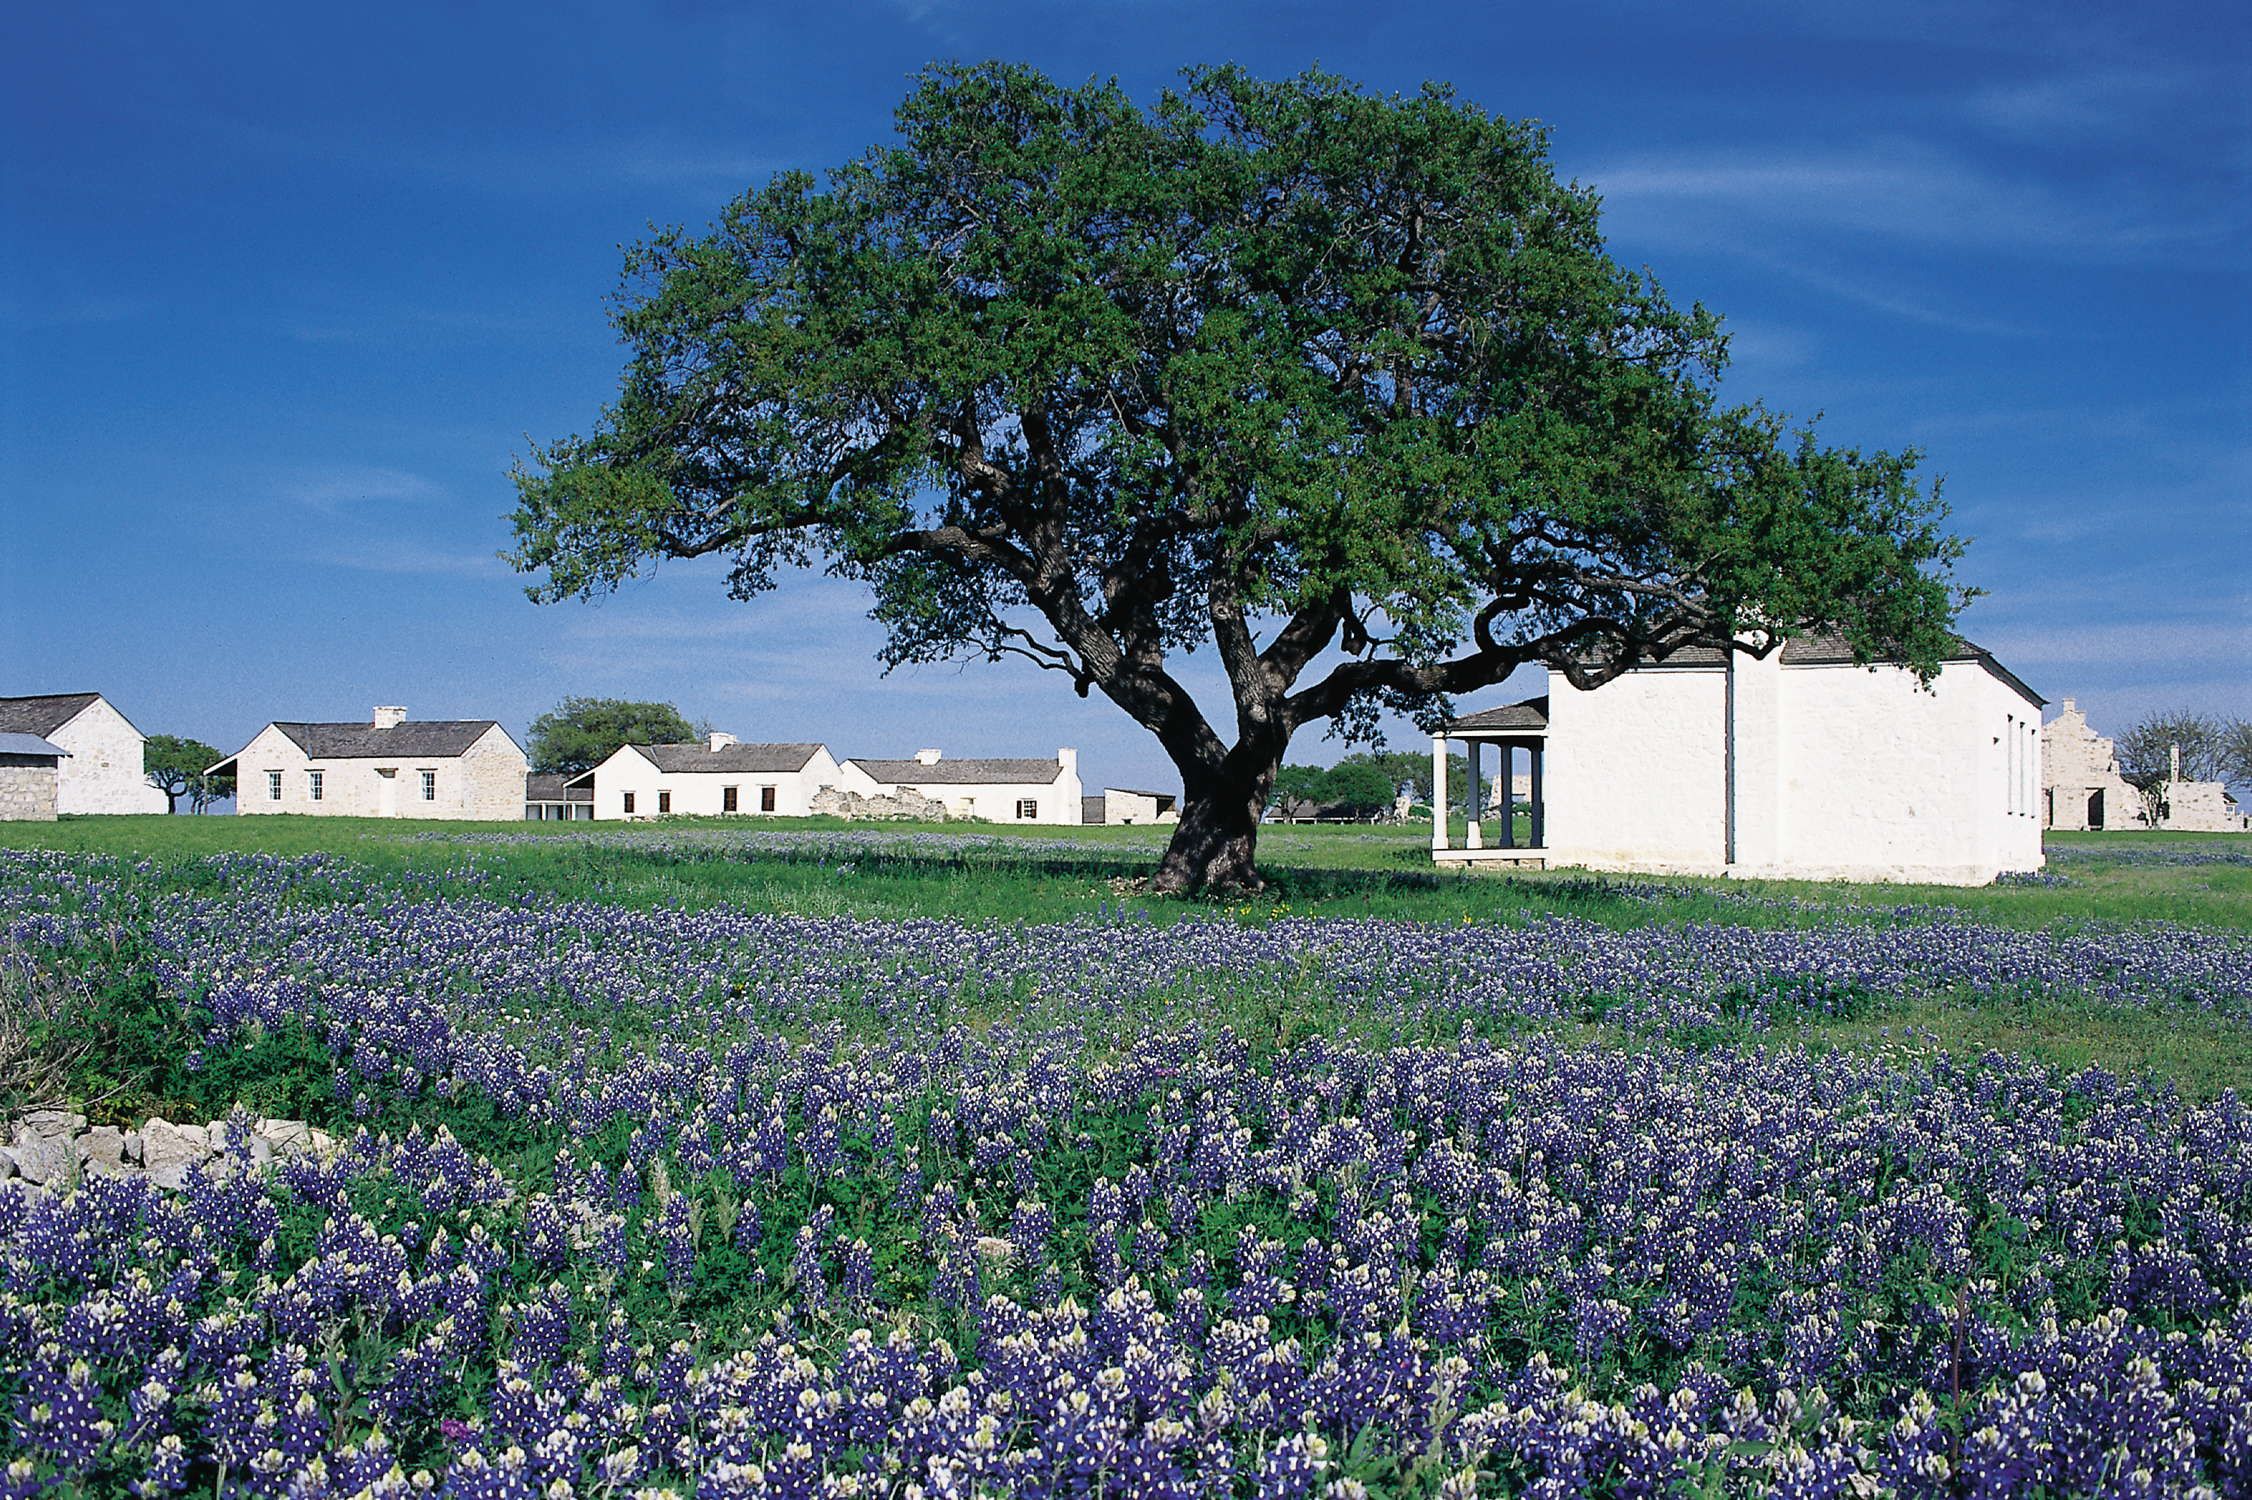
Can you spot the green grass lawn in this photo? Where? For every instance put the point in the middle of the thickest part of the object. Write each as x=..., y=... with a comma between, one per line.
x=1016, y=873
x=1042, y=874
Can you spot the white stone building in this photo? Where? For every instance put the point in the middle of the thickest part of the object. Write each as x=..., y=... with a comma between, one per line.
x=999, y=790
x=1800, y=766
x=102, y=769
x=719, y=776
x=2201, y=807
x=2080, y=782
x=390, y=767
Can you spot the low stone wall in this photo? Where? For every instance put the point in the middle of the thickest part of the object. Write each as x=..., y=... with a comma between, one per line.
x=27, y=789
x=907, y=804
x=54, y=1148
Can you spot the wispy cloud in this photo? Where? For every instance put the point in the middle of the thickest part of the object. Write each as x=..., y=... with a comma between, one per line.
x=408, y=556
x=332, y=489
x=1901, y=191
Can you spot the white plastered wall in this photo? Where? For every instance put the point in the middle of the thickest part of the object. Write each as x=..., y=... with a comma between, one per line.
x=1800, y=772
x=995, y=801
x=103, y=773
x=1636, y=773
x=703, y=793
x=1882, y=780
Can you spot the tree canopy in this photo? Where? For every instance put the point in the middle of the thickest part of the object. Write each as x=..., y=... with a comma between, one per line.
x=584, y=732
x=2209, y=744
x=175, y=767
x=1342, y=388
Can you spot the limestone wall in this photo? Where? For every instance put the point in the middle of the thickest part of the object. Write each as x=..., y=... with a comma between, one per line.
x=2080, y=782
x=487, y=782
x=104, y=773
x=2202, y=807
x=27, y=789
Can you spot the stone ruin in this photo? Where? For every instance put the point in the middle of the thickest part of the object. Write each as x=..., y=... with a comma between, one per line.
x=906, y=804
x=54, y=1148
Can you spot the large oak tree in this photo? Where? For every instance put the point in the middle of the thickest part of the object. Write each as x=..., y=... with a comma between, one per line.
x=1266, y=369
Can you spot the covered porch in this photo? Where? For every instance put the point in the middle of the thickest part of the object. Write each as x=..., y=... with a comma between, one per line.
x=1516, y=728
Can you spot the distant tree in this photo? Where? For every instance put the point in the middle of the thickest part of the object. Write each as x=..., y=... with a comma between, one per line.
x=1358, y=786
x=209, y=789
x=174, y=766
x=2236, y=754
x=2146, y=751
x=1296, y=784
x=584, y=732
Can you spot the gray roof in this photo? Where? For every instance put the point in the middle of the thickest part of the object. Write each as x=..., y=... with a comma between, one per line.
x=415, y=739
x=543, y=788
x=1008, y=771
x=1835, y=651
x=728, y=760
x=1530, y=716
x=12, y=743
x=42, y=715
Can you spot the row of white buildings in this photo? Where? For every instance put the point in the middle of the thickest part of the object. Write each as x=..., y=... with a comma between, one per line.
x=394, y=766
x=1800, y=765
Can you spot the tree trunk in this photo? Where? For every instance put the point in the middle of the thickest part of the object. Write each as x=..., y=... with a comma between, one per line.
x=1214, y=843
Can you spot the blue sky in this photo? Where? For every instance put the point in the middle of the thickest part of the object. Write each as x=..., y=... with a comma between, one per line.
x=284, y=288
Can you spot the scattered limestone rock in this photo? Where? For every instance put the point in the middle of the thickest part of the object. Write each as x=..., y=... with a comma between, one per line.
x=53, y=1148
x=49, y=1125
x=907, y=803
x=42, y=1159
x=102, y=1150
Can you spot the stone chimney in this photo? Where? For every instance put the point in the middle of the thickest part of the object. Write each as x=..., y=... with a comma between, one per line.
x=926, y=757
x=2175, y=756
x=1069, y=759
x=389, y=718
x=720, y=741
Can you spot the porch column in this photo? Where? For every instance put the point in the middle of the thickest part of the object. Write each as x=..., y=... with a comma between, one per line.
x=1438, y=791
x=1505, y=782
x=1535, y=752
x=1476, y=839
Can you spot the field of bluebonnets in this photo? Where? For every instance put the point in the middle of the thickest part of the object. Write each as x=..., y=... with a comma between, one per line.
x=703, y=1162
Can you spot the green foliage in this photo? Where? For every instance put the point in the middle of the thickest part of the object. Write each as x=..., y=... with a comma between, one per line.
x=2236, y=754
x=176, y=767
x=2213, y=748
x=581, y=733
x=1264, y=366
